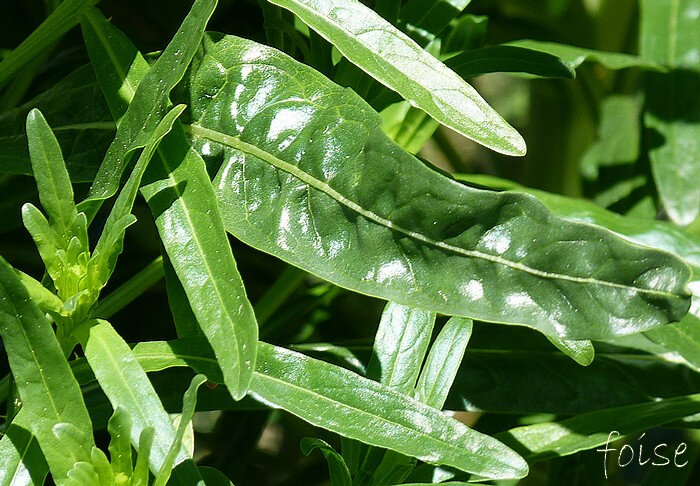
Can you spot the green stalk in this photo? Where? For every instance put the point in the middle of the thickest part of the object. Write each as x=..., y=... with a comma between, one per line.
x=131, y=289
x=277, y=294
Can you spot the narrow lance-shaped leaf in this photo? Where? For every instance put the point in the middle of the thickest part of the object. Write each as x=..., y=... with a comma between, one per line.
x=324, y=395
x=58, y=23
x=508, y=59
x=190, y=225
x=119, y=428
x=358, y=211
x=669, y=33
x=111, y=241
x=399, y=349
x=400, y=346
x=425, y=19
x=55, y=189
x=126, y=385
x=80, y=118
x=179, y=192
x=575, y=56
x=189, y=402
x=113, y=59
x=21, y=461
x=395, y=60
x=49, y=392
x=150, y=103
x=443, y=362
x=337, y=469
x=555, y=439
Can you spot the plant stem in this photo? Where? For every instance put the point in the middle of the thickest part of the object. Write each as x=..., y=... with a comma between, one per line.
x=132, y=288
x=279, y=292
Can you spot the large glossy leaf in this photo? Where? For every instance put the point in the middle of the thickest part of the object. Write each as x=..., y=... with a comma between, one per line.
x=126, y=385
x=575, y=56
x=179, y=192
x=538, y=380
x=669, y=34
x=21, y=461
x=356, y=210
x=326, y=396
x=49, y=393
x=682, y=337
x=554, y=439
x=150, y=103
x=58, y=23
x=392, y=58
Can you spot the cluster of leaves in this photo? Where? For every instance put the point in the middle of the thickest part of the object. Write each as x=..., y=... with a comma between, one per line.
x=303, y=149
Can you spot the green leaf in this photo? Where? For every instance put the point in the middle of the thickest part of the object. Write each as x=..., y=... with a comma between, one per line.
x=581, y=351
x=80, y=118
x=619, y=135
x=443, y=362
x=113, y=61
x=508, y=59
x=145, y=444
x=186, y=324
x=409, y=127
x=179, y=192
x=356, y=210
x=514, y=362
x=52, y=180
x=181, y=198
x=126, y=385
x=58, y=23
x=574, y=56
x=669, y=34
x=400, y=346
x=46, y=300
x=189, y=402
x=21, y=460
x=49, y=393
x=213, y=477
x=555, y=439
x=337, y=469
x=326, y=395
x=150, y=103
x=111, y=241
x=396, y=61
x=681, y=337
x=423, y=20
x=119, y=428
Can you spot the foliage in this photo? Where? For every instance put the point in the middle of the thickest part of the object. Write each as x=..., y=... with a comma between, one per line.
x=316, y=214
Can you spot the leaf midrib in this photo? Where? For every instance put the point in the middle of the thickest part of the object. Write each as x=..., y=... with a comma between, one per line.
x=222, y=138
